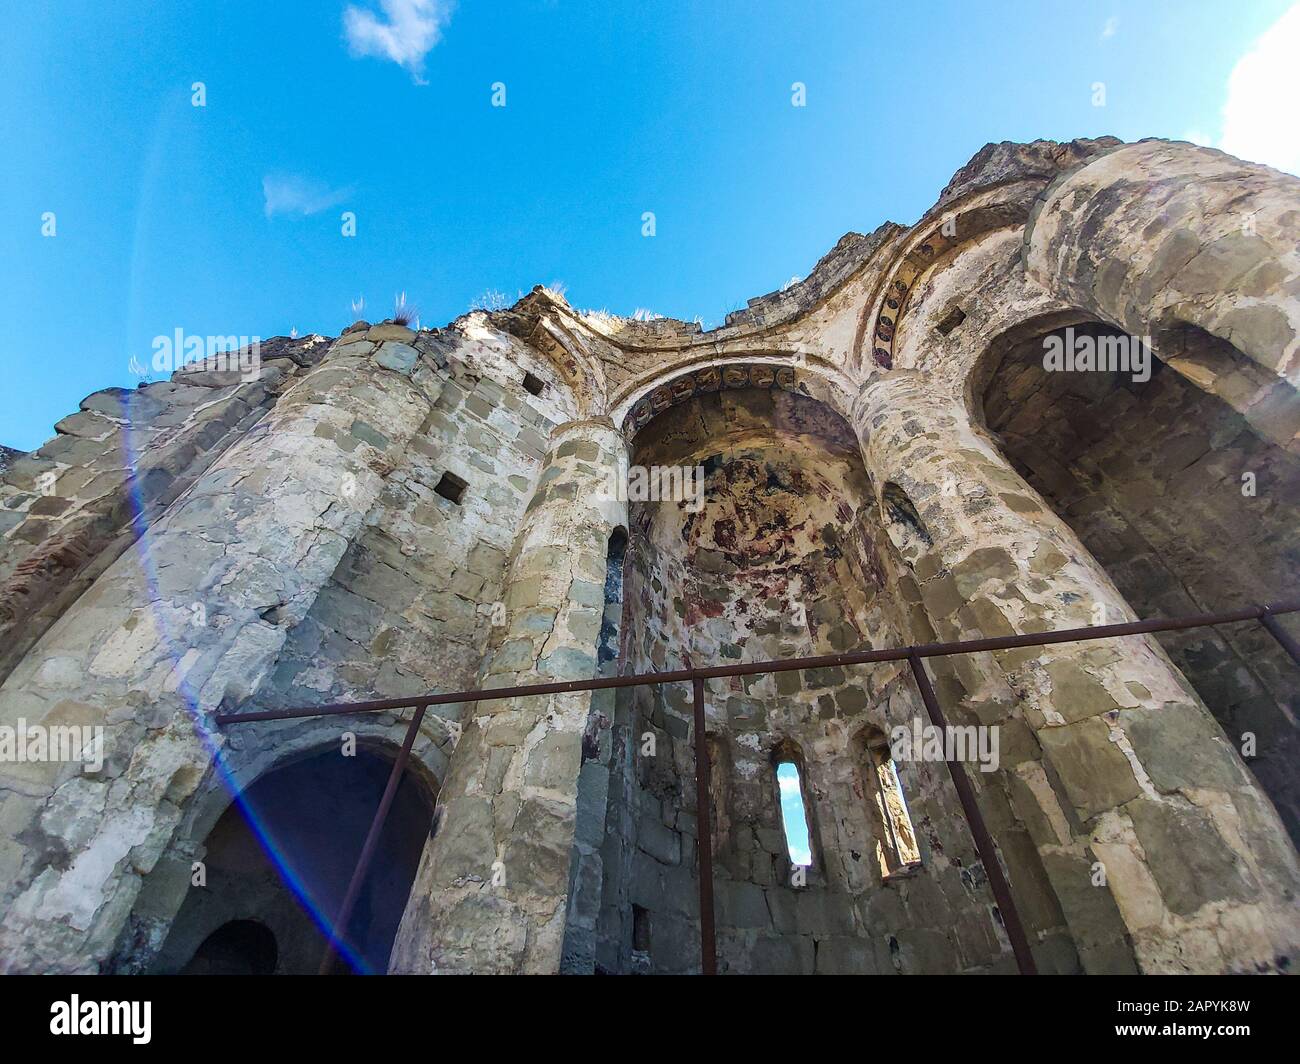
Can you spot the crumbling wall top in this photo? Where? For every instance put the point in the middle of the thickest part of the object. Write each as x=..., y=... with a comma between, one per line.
x=1007, y=161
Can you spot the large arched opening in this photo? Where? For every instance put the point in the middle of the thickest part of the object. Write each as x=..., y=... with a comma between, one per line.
x=1172, y=478
x=277, y=862
x=772, y=547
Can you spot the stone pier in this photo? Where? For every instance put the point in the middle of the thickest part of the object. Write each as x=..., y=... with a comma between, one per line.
x=1158, y=843
x=491, y=891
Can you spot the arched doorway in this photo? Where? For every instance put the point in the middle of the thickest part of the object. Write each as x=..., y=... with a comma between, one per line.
x=240, y=947
x=278, y=861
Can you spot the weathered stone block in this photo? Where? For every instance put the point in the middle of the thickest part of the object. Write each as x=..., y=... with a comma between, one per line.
x=659, y=841
x=1076, y=693
x=741, y=905
x=1179, y=746
x=536, y=855
x=398, y=357
x=845, y=956
x=983, y=564
x=1096, y=774
x=1188, y=857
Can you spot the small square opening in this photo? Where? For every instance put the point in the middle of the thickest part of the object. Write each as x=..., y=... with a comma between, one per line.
x=951, y=320
x=451, y=487
x=533, y=384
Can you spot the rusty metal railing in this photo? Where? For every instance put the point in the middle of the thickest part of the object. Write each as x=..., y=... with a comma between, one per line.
x=913, y=655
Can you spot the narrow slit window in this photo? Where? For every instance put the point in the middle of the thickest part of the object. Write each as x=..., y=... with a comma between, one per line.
x=451, y=487
x=640, y=929
x=899, y=849
x=533, y=384
x=794, y=815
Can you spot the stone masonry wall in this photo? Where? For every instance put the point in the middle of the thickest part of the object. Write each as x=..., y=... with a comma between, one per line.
x=409, y=608
x=189, y=622
x=1116, y=734
x=411, y=603
x=68, y=509
x=408, y=511
x=491, y=893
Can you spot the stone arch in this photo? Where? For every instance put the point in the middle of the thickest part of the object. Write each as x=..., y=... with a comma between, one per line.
x=934, y=242
x=238, y=947
x=1156, y=234
x=265, y=749
x=1269, y=404
x=272, y=746
x=994, y=351
x=1008, y=564
x=283, y=851
x=784, y=473
x=656, y=392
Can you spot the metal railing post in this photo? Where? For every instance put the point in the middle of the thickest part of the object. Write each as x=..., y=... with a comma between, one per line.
x=979, y=831
x=704, y=818
x=1269, y=620
x=1266, y=614
x=339, y=929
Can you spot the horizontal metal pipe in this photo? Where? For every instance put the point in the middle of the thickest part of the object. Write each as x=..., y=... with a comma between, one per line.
x=825, y=661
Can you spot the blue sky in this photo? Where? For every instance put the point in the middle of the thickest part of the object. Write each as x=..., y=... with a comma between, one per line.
x=226, y=219
x=793, y=818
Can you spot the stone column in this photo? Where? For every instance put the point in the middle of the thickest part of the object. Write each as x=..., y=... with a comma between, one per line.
x=491, y=891
x=1112, y=763
x=189, y=620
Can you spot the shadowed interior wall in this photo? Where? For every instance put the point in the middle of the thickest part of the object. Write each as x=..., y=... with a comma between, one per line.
x=1189, y=508
x=785, y=558
x=314, y=816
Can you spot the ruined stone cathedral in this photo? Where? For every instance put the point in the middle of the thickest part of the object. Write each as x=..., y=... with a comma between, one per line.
x=926, y=440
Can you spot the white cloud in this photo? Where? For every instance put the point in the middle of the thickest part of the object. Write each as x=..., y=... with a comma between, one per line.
x=406, y=32
x=293, y=194
x=1108, y=30
x=1259, y=115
